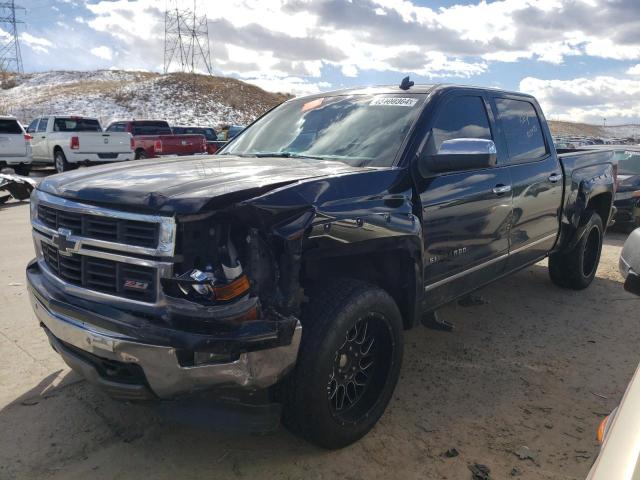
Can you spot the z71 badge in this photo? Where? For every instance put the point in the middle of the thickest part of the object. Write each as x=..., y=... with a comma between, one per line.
x=136, y=285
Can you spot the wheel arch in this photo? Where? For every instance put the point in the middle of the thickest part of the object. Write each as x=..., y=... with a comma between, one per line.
x=396, y=271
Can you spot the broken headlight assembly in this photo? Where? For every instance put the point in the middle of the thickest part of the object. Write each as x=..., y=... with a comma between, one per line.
x=216, y=277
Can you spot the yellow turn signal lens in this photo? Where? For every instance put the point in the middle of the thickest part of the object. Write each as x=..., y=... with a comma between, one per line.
x=232, y=290
x=602, y=429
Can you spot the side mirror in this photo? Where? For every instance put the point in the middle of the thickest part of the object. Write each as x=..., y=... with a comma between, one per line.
x=460, y=154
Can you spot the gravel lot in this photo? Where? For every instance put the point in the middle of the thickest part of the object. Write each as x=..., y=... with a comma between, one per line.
x=534, y=366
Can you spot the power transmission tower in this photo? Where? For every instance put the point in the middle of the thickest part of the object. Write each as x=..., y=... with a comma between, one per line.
x=186, y=40
x=10, y=57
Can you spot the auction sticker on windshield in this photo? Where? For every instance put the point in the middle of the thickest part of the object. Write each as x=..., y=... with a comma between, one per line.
x=395, y=101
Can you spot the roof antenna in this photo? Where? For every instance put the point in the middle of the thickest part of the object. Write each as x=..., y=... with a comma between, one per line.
x=406, y=84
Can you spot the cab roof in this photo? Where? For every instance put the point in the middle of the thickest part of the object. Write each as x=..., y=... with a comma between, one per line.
x=419, y=89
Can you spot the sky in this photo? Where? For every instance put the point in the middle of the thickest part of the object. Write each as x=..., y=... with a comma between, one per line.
x=580, y=58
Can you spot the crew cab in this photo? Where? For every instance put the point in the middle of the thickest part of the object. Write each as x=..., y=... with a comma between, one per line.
x=292, y=264
x=15, y=149
x=70, y=141
x=154, y=138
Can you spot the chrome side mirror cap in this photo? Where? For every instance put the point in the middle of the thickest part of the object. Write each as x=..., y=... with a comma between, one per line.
x=460, y=154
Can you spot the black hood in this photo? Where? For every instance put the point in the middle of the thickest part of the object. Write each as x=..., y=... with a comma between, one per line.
x=185, y=185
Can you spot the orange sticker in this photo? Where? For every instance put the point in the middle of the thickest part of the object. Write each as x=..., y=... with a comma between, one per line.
x=312, y=104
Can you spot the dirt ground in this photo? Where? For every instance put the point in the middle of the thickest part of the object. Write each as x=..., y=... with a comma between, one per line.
x=534, y=366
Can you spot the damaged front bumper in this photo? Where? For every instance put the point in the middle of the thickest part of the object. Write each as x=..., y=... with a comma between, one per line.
x=133, y=358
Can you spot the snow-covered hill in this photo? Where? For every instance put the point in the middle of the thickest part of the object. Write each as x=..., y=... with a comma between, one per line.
x=181, y=99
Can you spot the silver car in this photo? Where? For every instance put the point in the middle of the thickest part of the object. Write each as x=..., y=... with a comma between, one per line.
x=619, y=432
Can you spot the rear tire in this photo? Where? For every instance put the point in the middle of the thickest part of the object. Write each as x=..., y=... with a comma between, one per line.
x=23, y=169
x=348, y=364
x=576, y=269
x=60, y=162
x=141, y=154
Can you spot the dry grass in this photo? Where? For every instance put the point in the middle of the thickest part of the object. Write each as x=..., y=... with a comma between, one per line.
x=575, y=129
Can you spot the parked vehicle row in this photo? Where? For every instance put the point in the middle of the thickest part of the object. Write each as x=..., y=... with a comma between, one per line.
x=293, y=272
x=68, y=141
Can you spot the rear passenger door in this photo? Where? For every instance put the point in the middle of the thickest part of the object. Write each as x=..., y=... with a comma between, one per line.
x=465, y=214
x=536, y=179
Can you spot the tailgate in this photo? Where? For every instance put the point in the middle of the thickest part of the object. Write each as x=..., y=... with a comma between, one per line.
x=12, y=145
x=183, y=144
x=104, y=142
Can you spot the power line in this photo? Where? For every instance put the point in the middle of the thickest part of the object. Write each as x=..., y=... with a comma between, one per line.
x=186, y=40
x=10, y=56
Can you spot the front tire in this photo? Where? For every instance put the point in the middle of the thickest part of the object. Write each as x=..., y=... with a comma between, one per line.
x=576, y=269
x=348, y=364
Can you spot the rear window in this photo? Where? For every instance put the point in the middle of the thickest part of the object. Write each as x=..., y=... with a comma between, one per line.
x=76, y=125
x=10, y=127
x=522, y=130
x=151, y=128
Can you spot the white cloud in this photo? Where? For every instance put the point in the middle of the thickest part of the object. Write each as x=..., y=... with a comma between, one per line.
x=102, y=52
x=38, y=44
x=294, y=85
x=635, y=70
x=587, y=99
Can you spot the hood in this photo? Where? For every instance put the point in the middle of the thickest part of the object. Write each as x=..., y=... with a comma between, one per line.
x=185, y=185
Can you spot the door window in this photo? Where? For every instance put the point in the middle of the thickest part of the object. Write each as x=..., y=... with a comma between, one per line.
x=42, y=126
x=462, y=117
x=33, y=125
x=522, y=130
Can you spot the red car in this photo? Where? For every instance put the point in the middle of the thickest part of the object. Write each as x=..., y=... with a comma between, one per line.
x=154, y=138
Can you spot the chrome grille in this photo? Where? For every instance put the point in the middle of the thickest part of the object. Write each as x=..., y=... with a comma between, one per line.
x=102, y=275
x=97, y=252
x=130, y=232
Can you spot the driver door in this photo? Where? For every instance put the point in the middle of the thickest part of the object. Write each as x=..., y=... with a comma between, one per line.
x=465, y=214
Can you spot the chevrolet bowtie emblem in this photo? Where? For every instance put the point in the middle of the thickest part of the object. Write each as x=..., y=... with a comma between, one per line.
x=61, y=240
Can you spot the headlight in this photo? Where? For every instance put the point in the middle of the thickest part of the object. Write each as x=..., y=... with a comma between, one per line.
x=33, y=205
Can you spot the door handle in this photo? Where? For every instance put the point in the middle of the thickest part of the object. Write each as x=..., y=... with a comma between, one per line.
x=500, y=189
x=554, y=177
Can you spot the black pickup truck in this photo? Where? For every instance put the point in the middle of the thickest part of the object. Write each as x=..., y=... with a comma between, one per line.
x=291, y=264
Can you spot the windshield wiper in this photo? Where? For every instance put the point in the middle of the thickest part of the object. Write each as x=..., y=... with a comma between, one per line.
x=285, y=155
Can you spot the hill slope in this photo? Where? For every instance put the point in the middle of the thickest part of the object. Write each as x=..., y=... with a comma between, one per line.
x=183, y=99
x=586, y=130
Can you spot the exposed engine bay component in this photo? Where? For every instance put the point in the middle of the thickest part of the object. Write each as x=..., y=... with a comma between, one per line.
x=18, y=187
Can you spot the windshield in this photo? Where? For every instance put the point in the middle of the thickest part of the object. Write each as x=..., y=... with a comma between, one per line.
x=628, y=163
x=361, y=130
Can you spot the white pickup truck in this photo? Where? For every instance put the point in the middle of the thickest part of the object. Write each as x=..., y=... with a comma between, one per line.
x=15, y=150
x=70, y=141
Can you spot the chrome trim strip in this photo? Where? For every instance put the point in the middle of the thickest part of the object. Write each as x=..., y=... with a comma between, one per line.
x=465, y=272
x=116, y=257
x=166, y=234
x=439, y=283
x=532, y=244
